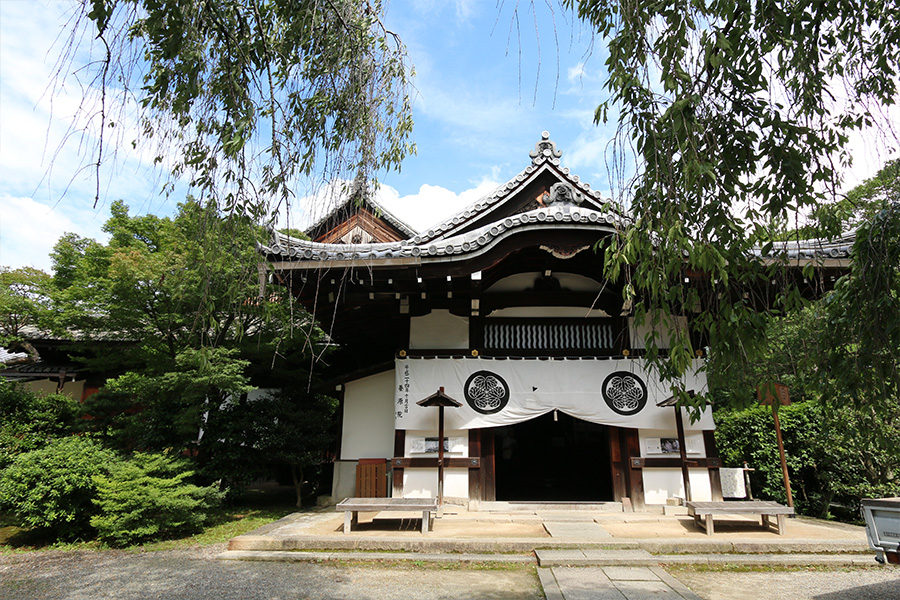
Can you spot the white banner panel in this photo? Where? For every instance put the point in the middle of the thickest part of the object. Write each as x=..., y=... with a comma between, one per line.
x=503, y=392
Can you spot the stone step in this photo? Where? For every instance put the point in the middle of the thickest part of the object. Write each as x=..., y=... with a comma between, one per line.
x=576, y=557
x=579, y=557
x=576, y=530
x=310, y=556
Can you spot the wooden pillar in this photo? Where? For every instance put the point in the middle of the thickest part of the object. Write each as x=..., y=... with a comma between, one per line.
x=618, y=465
x=632, y=448
x=476, y=476
x=399, y=451
x=682, y=450
x=784, y=469
x=715, y=478
x=488, y=465
x=440, y=493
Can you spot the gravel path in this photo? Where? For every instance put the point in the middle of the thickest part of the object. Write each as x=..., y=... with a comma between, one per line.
x=875, y=583
x=195, y=575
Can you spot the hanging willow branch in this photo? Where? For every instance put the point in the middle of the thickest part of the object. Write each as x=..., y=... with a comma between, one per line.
x=243, y=99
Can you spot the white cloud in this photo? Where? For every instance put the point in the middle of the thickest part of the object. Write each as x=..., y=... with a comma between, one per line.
x=575, y=74
x=29, y=230
x=43, y=151
x=432, y=204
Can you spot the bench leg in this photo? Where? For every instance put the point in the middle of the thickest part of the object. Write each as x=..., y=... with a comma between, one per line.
x=710, y=529
x=765, y=521
x=348, y=520
x=781, y=521
x=426, y=516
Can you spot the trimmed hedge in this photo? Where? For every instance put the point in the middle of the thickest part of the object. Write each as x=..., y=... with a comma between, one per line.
x=148, y=497
x=53, y=488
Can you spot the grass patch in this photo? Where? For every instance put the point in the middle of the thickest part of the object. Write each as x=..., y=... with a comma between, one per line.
x=251, y=511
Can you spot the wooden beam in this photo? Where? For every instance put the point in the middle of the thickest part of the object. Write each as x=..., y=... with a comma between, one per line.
x=456, y=462
x=637, y=462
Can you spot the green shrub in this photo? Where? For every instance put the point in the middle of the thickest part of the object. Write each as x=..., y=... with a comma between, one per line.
x=146, y=498
x=53, y=487
x=28, y=420
x=833, y=457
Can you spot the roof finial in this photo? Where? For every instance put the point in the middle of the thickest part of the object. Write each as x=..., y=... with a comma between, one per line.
x=545, y=150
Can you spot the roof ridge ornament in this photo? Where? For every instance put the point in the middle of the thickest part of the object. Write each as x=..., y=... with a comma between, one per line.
x=545, y=150
x=563, y=193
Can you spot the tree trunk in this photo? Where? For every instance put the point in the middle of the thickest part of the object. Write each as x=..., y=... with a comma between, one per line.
x=298, y=483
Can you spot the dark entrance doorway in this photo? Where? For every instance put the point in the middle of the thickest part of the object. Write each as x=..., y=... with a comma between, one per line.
x=549, y=459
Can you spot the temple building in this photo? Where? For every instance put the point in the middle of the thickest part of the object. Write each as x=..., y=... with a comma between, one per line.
x=504, y=307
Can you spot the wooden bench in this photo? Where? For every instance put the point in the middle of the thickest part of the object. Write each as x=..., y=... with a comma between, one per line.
x=764, y=509
x=353, y=506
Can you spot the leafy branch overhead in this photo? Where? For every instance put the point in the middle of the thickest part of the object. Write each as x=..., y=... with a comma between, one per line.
x=738, y=113
x=243, y=97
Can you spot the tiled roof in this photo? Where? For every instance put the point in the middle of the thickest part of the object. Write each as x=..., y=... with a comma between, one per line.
x=470, y=243
x=544, y=157
x=577, y=206
x=6, y=357
x=815, y=249
x=368, y=199
x=568, y=210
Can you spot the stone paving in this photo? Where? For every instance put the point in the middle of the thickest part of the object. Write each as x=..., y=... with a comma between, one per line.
x=612, y=583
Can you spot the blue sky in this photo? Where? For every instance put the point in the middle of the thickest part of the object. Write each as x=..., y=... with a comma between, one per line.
x=486, y=87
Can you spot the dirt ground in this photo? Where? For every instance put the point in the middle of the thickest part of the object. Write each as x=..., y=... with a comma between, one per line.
x=401, y=524
x=863, y=583
x=743, y=527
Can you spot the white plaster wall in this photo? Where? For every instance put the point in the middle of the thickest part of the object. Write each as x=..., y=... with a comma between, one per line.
x=368, y=429
x=439, y=330
x=669, y=322
x=422, y=483
x=46, y=387
x=660, y=484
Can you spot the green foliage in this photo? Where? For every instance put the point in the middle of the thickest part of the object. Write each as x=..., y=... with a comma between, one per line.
x=730, y=110
x=28, y=420
x=245, y=97
x=53, y=487
x=859, y=350
x=148, y=497
x=828, y=462
x=176, y=308
x=291, y=427
x=167, y=408
x=24, y=302
x=842, y=434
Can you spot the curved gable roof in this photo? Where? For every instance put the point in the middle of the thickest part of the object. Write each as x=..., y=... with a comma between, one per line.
x=543, y=196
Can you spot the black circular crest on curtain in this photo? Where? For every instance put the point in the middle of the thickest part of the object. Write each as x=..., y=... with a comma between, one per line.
x=625, y=393
x=486, y=392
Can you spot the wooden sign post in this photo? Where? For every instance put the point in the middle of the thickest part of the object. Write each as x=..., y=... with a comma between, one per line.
x=440, y=400
x=781, y=397
x=682, y=445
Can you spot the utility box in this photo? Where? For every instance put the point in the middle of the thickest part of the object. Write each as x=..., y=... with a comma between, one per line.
x=882, y=517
